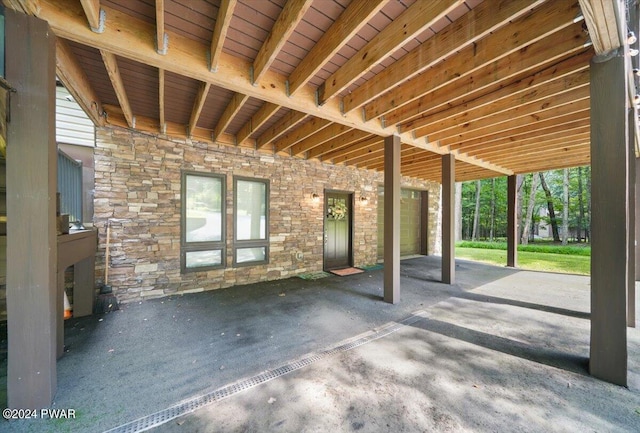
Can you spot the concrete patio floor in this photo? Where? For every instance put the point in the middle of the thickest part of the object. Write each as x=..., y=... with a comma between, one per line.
x=502, y=350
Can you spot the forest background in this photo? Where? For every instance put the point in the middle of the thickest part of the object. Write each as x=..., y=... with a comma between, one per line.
x=559, y=200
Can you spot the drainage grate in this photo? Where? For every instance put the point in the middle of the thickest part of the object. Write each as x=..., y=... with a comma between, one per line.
x=173, y=412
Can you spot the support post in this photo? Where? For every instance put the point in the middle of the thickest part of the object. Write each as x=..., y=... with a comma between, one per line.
x=392, y=219
x=448, y=219
x=610, y=217
x=631, y=237
x=31, y=212
x=637, y=220
x=512, y=222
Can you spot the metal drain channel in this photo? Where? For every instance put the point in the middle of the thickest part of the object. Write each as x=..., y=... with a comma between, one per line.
x=191, y=405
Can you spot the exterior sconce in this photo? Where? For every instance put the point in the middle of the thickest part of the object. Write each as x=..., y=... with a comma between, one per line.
x=364, y=200
x=315, y=197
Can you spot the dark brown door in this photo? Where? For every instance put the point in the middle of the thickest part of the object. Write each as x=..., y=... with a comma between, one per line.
x=337, y=230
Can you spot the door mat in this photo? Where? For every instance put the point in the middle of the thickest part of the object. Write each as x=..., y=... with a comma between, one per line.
x=346, y=271
x=313, y=275
x=375, y=267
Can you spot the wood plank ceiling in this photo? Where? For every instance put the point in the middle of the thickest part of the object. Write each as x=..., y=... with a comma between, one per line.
x=503, y=85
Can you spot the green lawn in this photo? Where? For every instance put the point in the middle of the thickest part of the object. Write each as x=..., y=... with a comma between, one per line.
x=537, y=261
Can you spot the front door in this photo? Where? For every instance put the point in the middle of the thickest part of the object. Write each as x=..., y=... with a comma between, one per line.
x=337, y=230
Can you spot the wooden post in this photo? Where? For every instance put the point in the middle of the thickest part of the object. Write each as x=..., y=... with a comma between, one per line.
x=31, y=212
x=631, y=237
x=392, y=219
x=637, y=220
x=610, y=217
x=512, y=222
x=448, y=219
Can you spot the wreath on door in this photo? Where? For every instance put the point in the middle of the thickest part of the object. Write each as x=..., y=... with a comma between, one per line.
x=337, y=211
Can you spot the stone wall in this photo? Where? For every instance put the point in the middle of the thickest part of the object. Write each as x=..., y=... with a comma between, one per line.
x=138, y=190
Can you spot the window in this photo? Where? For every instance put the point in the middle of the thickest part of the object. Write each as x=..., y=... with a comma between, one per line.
x=203, y=222
x=251, y=234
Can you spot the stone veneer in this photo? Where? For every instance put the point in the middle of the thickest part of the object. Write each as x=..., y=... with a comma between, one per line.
x=137, y=187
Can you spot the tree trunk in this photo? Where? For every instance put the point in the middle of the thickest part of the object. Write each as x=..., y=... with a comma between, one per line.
x=580, y=205
x=565, y=206
x=476, y=215
x=526, y=230
x=552, y=212
x=493, y=209
x=458, y=210
x=587, y=232
x=519, y=183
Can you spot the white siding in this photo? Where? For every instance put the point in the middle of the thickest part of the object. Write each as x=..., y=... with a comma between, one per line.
x=73, y=126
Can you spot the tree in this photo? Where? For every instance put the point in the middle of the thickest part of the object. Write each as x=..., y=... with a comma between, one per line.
x=476, y=215
x=492, y=222
x=580, y=205
x=552, y=213
x=526, y=229
x=565, y=206
x=519, y=190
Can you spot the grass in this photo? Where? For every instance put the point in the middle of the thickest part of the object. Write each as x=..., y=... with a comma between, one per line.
x=538, y=247
x=537, y=261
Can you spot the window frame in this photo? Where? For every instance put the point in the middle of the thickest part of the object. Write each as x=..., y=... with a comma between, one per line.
x=250, y=243
x=187, y=247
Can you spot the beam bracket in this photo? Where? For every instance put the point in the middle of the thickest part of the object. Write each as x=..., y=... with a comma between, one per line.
x=165, y=45
x=251, y=76
x=103, y=18
x=286, y=88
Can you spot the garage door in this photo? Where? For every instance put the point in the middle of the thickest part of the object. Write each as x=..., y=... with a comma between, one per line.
x=410, y=222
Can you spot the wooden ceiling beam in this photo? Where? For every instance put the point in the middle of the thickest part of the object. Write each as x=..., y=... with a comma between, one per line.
x=527, y=114
x=569, y=122
x=534, y=148
x=543, y=22
x=233, y=107
x=161, y=39
x=305, y=130
x=318, y=138
x=413, y=21
x=75, y=80
x=196, y=110
x=225, y=12
x=161, y=103
x=360, y=148
x=549, y=81
x=111, y=64
x=569, y=42
x=364, y=160
x=264, y=113
x=467, y=29
x=150, y=126
x=132, y=38
x=554, y=138
x=288, y=122
x=558, y=162
x=342, y=141
x=549, y=157
x=601, y=17
x=506, y=125
x=29, y=7
x=345, y=27
x=287, y=21
x=92, y=12
x=554, y=94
